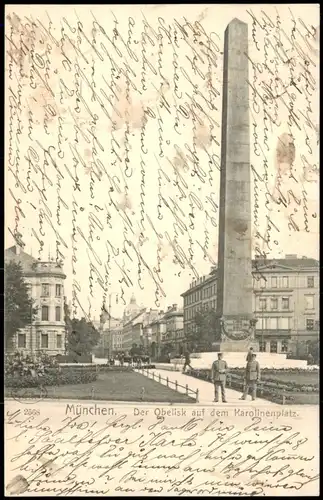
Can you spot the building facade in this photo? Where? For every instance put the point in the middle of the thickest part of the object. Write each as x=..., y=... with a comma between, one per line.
x=285, y=302
x=46, y=285
x=174, y=319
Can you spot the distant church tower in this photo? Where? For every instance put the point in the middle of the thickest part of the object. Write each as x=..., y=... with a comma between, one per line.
x=131, y=310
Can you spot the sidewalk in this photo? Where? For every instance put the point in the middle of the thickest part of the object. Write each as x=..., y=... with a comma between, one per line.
x=206, y=389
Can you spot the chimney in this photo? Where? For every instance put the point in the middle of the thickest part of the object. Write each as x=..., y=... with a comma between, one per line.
x=169, y=308
x=18, y=249
x=175, y=306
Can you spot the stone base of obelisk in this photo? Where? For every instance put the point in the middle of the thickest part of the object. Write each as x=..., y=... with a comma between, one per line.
x=235, y=346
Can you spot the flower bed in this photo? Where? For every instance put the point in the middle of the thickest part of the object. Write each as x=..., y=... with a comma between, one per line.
x=52, y=377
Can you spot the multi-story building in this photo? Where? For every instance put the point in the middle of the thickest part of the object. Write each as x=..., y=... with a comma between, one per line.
x=174, y=318
x=285, y=302
x=110, y=335
x=157, y=332
x=136, y=330
x=46, y=285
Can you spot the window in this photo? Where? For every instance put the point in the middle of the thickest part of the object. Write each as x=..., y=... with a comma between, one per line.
x=284, y=346
x=21, y=340
x=262, y=346
x=262, y=322
x=274, y=282
x=263, y=304
x=272, y=323
x=44, y=313
x=45, y=290
x=310, y=324
x=285, y=282
x=284, y=323
x=273, y=346
x=44, y=341
x=274, y=304
x=57, y=313
x=310, y=281
x=263, y=282
x=309, y=301
x=285, y=303
x=59, y=342
x=58, y=290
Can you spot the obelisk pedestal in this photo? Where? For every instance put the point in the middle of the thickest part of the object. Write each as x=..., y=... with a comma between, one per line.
x=236, y=324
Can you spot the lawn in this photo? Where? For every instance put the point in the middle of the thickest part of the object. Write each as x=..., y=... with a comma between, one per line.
x=115, y=386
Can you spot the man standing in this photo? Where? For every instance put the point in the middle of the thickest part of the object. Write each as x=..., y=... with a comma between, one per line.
x=249, y=355
x=251, y=378
x=218, y=376
x=187, y=361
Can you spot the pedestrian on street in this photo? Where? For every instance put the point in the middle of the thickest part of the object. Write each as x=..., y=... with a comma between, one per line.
x=218, y=376
x=310, y=359
x=187, y=361
x=249, y=355
x=252, y=377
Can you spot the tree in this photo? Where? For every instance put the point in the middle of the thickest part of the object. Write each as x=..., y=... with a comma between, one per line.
x=82, y=337
x=204, y=329
x=19, y=306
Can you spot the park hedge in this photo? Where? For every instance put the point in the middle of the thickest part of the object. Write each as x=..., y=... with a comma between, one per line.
x=52, y=377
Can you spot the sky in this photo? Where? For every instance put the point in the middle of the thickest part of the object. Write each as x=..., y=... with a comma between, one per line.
x=115, y=180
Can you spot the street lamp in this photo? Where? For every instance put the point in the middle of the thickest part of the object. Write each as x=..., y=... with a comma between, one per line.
x=109, y=320
x=262, y=319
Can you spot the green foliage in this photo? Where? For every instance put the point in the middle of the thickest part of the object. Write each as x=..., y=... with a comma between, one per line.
x=203, y=330
x=82, y=337
x=314, y=349
x=52, y=377
x=18, y=305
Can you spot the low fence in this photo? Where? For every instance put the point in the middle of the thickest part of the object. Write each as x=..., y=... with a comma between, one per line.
x=170, y=383
x=279, y=396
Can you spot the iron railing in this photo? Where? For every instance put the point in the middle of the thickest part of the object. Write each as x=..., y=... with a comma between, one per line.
x=169, y=383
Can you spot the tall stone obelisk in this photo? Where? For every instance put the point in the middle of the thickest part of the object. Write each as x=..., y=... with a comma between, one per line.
x=234, y=288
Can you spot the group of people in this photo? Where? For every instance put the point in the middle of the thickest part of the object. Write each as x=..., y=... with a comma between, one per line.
x=126, y=359
x=251, y=378
x=219, y=375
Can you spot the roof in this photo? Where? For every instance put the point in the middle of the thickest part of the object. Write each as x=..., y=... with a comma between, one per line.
x=290, y=263
x=303, y=263
x=27, y=261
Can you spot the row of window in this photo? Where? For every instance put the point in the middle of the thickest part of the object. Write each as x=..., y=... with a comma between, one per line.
x=274, y=324
x=283, y=324
x=263, y=302
x=279, y=282
x=22, y=344
x=285, y=303
x=261, y=282
x=46, y=287
x=273, y=346
x=191, y=312
x=201, y=294
x=45, y=313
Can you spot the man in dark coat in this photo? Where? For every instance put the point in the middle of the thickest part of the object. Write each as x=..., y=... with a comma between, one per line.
x=252, y=377
x=218, y=376
x=187, y=361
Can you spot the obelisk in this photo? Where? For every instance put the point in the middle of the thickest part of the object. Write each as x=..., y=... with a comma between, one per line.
x=236, y=324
